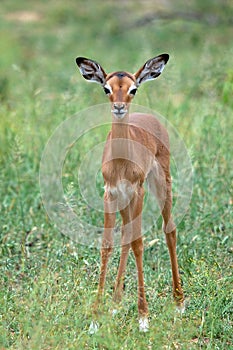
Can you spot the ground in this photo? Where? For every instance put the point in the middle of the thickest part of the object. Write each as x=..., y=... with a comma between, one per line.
x=48, y=281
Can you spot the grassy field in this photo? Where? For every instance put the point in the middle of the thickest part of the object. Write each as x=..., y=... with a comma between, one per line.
x=48, y=281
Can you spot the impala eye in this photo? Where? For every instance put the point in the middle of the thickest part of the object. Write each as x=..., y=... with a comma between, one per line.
x=133, y=91
x=107, y=91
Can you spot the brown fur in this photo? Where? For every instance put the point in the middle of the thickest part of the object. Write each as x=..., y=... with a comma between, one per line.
x=137, y=148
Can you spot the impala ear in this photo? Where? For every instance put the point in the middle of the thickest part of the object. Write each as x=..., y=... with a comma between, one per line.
x=91, y=70
x=151, y=69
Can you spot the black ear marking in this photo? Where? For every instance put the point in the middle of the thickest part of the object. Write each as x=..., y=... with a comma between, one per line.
x=165, y=57
x=79, y=60
x=101, y=80
x=151, y=69
x=155, y=75
x=91, y=70
x=88, y=76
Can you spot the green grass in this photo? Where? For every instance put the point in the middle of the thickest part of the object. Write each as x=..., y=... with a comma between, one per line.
x=48, y=282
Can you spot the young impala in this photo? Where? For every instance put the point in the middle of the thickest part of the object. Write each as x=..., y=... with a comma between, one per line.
x=137, y=148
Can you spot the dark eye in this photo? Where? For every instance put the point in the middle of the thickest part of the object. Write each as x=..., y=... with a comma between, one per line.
x=107, y=91
x=133, y=91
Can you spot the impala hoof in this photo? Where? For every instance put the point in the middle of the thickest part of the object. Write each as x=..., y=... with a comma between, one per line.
x=143, y=324
x=180, y=308
x=94, y=326
x=114, y=312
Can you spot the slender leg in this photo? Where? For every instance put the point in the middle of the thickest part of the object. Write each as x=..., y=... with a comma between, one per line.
x=121, y=272
x=106, y=249
x=126, y=231
x=170, y=233
x=177, y=289
x=137, y=247
x=160, y=181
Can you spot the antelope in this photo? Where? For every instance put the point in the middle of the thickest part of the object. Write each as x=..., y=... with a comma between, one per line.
x=137, y=148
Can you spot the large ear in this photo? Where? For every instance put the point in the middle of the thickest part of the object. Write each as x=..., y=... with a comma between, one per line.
x=91, y=70
x=151, y=69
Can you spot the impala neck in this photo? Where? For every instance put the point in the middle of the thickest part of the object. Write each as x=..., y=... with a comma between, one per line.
x=120, y=130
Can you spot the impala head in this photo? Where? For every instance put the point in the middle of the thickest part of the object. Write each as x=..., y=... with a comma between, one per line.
x=121, y=87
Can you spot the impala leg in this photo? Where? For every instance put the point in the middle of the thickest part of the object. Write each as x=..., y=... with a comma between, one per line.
x=106, y=249
x=178, y=294
x=125, y=246
x=138, y=248
x=107, y=244
x=121, y=273
x=170, y=233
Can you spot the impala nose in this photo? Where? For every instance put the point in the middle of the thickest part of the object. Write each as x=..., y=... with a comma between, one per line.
x=119, y=107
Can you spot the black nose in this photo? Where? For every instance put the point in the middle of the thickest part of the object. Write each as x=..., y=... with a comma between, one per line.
x=119, y=107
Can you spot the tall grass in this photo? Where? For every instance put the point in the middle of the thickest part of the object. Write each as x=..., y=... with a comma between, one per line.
x=48, y=282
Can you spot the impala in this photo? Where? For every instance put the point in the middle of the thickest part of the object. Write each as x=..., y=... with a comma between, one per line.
x=137, y=148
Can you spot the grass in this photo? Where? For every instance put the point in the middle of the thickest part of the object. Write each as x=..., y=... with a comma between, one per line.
x=48, y=282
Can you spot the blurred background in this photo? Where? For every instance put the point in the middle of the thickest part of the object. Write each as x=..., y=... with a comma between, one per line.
x=40, y=40
x=40, y=87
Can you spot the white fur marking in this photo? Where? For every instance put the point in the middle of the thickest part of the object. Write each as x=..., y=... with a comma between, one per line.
x=181, y=309
x=114, y=312
x=94, y=326
x=107, y=86
x=143, y=324
x=132, y=87
x=123, y=191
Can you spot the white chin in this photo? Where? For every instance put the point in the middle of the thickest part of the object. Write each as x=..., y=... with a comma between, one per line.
x=119, y=115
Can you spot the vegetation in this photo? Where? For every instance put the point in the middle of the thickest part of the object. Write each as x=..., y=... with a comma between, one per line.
x=48, y=281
